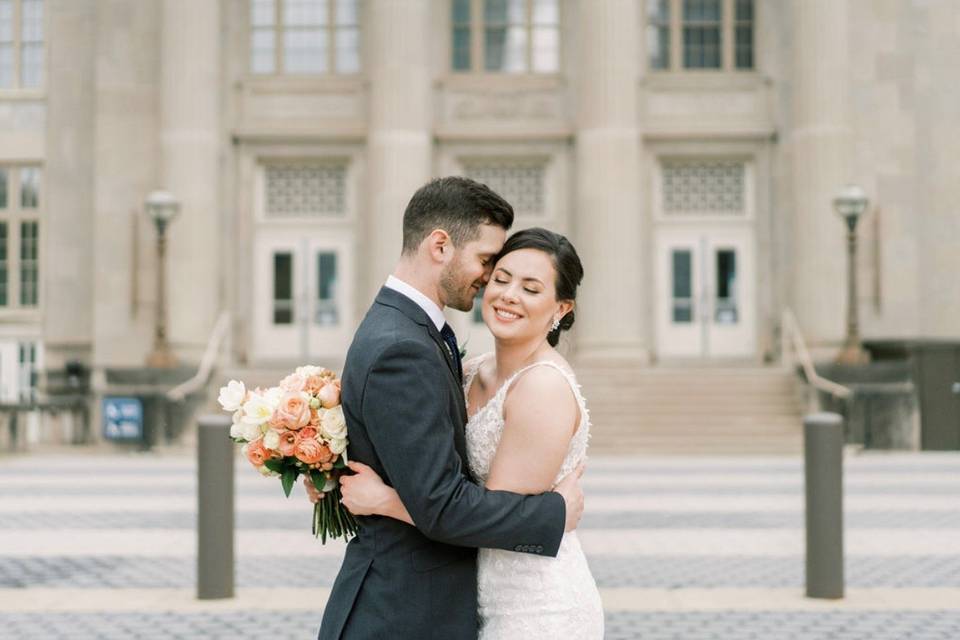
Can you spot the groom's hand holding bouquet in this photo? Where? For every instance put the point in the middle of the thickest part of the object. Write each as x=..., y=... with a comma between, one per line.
x=297, y=428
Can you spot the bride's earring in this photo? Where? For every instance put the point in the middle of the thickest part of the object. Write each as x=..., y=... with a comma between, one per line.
x=555, y=325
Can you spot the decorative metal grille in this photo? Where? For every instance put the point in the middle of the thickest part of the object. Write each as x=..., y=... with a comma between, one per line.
x=521, y=183
x=306, y=190
x=703, y=186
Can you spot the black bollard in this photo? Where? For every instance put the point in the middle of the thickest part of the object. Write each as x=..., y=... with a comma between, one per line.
x=215, y=533
x=823, y=468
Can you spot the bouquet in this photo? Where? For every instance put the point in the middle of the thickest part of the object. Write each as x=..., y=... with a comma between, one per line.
x=297, y=428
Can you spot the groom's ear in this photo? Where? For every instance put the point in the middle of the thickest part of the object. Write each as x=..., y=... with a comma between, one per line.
x=439, y=245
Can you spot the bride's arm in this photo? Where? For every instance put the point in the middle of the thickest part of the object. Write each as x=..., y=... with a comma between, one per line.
x=541, y=415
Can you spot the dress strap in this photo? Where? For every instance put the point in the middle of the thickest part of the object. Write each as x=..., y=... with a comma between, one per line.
x=470, y=369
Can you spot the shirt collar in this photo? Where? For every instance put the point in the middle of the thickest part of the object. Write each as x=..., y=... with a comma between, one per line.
x=429, y=306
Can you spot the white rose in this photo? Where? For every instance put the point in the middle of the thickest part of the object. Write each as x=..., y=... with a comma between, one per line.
x=232, y=396
x=338, y=445
x=308, y=370
x=271, y=440
x=256, y=410
x=236, y=429
x=250, y=432
x=273, y=397
x=333, y=424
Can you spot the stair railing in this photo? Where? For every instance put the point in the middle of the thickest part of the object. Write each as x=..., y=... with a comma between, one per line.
x=220, y=331
x=792, y=342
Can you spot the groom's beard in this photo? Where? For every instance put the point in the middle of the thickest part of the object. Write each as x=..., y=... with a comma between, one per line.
x=459, y=294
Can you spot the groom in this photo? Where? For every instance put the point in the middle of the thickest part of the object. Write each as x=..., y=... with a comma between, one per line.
x=404, y=406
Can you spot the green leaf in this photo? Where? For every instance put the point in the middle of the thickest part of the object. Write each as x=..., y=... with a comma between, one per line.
x=340, y=463
x=318, y=480
x=287, y=479
x=275, y=464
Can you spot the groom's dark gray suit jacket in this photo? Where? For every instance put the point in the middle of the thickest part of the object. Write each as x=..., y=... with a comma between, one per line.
x=405, y=414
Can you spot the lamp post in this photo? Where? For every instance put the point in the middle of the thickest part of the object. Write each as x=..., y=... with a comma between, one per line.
x=162, y=208
x=850, y=204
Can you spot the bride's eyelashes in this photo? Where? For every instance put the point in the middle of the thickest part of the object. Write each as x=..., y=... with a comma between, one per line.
x=498, y=281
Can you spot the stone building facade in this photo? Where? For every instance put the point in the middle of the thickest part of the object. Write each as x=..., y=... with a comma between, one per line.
x=690, y=149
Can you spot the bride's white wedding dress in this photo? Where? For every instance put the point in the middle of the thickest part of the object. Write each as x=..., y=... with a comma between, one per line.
x=522, y=596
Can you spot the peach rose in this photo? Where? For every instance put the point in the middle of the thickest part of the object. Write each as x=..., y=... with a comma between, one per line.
x=315, y=418
x=288, y=441
x=310, y=451
x=277, y=422
x=293, y=412
x=293, y=383
x=313, y=385
x=329, y=395
x=306, y=433
x=257, y=454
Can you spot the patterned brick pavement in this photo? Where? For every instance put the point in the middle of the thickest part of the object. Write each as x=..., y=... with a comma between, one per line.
x=102, y=546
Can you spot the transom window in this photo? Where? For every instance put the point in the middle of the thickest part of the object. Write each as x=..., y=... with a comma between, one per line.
x=20, y=214
x=21, y=44
x=700, y=34
x=519, y=181
x=304, y=189
x=703, y=187
x=506, y=36
x=305, y=37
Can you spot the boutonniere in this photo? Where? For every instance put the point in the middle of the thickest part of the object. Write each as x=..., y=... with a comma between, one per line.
x=463, y=348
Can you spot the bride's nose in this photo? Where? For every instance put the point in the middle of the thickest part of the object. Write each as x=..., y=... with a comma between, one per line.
x=508, y=295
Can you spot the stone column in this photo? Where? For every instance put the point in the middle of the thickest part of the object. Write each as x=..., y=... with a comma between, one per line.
x=820, y=145
x=399, y=144
x=124, y=159
x=69, y=182
x=607, y=221
x=189, y=168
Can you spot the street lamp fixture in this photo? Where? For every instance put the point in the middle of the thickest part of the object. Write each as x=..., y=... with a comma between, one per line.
x=850, y=204
x=162, y=208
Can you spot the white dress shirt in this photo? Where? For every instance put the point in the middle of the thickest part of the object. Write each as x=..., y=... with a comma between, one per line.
x=429, y=306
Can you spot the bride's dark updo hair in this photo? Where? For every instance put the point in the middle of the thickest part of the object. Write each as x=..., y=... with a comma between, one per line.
x=566, y=263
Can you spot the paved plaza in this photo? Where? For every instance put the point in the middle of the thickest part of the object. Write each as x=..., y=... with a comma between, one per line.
x=94, y=545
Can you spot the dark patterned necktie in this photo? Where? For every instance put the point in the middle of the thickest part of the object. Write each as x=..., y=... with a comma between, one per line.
x=451, y=339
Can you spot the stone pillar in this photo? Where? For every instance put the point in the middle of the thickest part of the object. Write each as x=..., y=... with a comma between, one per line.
x=399, y=144
x=820, y=143
x=607, y=222
x=124, y=158
x=69, y=181
x=189, y=169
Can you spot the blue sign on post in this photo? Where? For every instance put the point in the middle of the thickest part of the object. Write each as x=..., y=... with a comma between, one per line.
x=122, y=418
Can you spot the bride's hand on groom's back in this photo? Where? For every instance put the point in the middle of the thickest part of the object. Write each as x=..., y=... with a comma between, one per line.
x=569, y=488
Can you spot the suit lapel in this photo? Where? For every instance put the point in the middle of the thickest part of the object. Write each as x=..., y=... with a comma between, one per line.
x=413, y=311
x=409, y=308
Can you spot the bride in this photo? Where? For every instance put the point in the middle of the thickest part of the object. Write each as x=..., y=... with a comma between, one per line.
x=528, y=427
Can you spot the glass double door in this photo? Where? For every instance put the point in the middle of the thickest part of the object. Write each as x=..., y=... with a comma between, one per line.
x=302, y=302
x=705, y=293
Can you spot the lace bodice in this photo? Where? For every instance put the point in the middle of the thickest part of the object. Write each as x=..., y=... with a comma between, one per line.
x=521, y=595
x=485, y=427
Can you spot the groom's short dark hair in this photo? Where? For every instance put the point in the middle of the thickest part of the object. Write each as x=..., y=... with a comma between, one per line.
x=455, y=204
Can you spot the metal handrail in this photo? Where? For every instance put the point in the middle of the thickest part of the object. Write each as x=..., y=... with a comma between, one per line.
x=791, y=337
x=220, y=331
